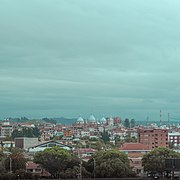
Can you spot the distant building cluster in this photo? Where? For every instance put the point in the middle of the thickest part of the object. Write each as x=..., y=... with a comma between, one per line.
x=81, y=137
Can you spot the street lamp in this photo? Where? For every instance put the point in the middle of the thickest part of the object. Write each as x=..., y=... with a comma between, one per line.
x=10, y=164
x=10, y=161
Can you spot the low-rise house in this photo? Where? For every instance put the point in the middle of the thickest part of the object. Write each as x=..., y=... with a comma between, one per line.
x=47, y=134
x=7, y=144
x=84, y=153
x=67, y=133
x=85, y=134
x=26, y=125
x=6, y=128
x=58, y=133
x=36, y=170
x=135, y=152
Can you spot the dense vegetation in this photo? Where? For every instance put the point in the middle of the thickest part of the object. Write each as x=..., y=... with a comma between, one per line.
x=155, y=159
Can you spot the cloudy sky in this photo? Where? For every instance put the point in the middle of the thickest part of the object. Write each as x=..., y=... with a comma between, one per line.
x=106, y=57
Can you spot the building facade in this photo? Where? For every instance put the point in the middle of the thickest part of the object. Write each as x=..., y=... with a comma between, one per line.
x=6, y=128
x=25, y=142
x=153, y=138
x=135, y=152
x=174, y=139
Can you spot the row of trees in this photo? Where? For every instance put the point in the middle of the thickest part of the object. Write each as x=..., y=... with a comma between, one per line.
x=154, y=161
x=129, y=123
x=26, y=132
x=104, y=164
x=12, y=165
x=61, y=163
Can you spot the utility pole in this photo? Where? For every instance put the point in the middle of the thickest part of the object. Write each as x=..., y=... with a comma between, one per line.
x=10, y=164
x=80, y=165
x=168, y=120
x=173, y=167
x=94, y=163
x=147, y=120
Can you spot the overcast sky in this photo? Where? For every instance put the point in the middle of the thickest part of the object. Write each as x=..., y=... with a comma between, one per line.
x=106, y=57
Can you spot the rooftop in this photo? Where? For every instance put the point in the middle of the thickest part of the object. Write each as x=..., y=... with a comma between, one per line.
x=134, y=146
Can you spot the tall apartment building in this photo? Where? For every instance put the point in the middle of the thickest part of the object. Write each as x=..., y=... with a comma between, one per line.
x=153, y=138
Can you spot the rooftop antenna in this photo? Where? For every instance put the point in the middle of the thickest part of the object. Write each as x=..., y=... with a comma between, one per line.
x=169, y=119
x=160, y=118
x=147, y=120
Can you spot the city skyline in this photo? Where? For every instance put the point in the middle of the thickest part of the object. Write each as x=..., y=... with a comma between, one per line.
x=108, y=58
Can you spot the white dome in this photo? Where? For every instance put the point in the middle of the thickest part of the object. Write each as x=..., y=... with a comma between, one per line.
x=103, y=120
x=80, y=120
x=91, y=119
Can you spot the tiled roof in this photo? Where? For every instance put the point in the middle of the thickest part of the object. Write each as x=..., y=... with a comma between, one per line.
x=134, y=146
x=32, y=165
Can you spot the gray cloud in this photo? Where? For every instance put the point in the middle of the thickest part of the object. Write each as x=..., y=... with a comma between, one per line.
x=64, y=58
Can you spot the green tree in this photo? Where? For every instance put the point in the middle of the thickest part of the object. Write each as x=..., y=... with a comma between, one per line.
x=1, y=155
x=74, y=173
x=126, y=123
x=17, y=159
x=105, y=136
x=22, y=174
x=24, y=119
x=55, y=160
x=36, y=131
x=118, y=141
x=99, y=145
x=2, y=158
x=26, y=132
x=155, y=159
x=132, y=123
x=53, y=121
x=109, y=164
x=17, y=133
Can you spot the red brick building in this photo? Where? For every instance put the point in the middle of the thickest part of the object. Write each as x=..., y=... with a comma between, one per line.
x=153, y=138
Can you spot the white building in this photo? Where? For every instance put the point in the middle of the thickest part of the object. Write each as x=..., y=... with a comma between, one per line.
x=49, y=144
x=6, y=128
x=174, y=138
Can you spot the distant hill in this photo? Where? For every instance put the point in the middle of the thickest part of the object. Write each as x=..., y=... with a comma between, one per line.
x=60, y=120
x=66, y=121
x=70, y=121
